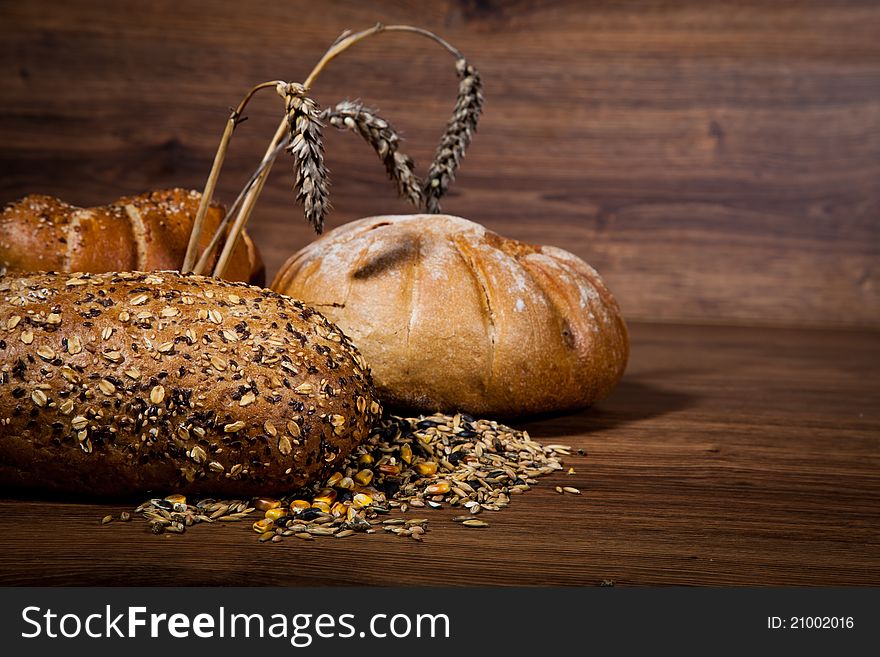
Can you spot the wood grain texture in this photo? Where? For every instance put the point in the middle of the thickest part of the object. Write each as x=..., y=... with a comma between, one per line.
x=726, y=456
x=717, y=161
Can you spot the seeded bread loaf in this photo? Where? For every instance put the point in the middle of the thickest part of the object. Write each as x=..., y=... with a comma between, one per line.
x=149, y=232
x=452, y=316
x=121, y=383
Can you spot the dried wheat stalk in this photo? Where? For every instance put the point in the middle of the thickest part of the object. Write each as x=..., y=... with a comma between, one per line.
x=307, y=147
x=381, y=135
x=300, y=130
x=458, y=135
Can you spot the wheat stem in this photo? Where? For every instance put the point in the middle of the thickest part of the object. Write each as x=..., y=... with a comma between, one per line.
x=208, y=193
x=426, y=33
x=202, y=264
x=250, y=199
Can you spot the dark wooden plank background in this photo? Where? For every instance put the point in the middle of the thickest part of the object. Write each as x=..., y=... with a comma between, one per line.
x=721, y=459
x=717, y=161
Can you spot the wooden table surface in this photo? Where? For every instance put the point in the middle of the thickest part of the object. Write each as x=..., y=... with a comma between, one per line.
x=726, y=456
x=717, y=162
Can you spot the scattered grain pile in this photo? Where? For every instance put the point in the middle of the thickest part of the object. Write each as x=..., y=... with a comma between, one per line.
x=407, y=464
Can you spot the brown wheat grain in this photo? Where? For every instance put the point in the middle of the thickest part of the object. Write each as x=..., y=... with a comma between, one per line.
x=459, y=132
x=381, y=135
x=307, y=147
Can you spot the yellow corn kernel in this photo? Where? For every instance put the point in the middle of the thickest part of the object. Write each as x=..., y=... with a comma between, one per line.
x=277, y=512
x=177, y=498
x=327, y=495
x=365, y=459
x=321, y=506
x=389, y=469
x=266, y=503
x=406, y=453
x=264, y=525
x=299, y=505
x=361, y=500
x=334, y=479
x=339, y=510
x=426, y=468
x=440, y=488
x=347, y=483
x=364, y=477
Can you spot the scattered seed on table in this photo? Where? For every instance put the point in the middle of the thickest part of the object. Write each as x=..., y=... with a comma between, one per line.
x=106, y=519
x=572, y=490
x=425, y=462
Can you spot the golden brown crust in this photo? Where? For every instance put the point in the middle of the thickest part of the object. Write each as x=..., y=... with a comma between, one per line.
x=451, y=316
x=148, y=232
x=115, y=384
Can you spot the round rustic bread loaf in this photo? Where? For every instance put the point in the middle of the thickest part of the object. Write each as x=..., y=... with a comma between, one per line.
x=120, y=383
x=149, y=232
x=452, y=316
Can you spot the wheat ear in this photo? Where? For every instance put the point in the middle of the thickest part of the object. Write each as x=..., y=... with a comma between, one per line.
x=459, y=132
x=307, y=147
x=381, y=135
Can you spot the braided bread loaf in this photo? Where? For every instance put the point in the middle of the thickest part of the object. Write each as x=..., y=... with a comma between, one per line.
x=149, y=232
